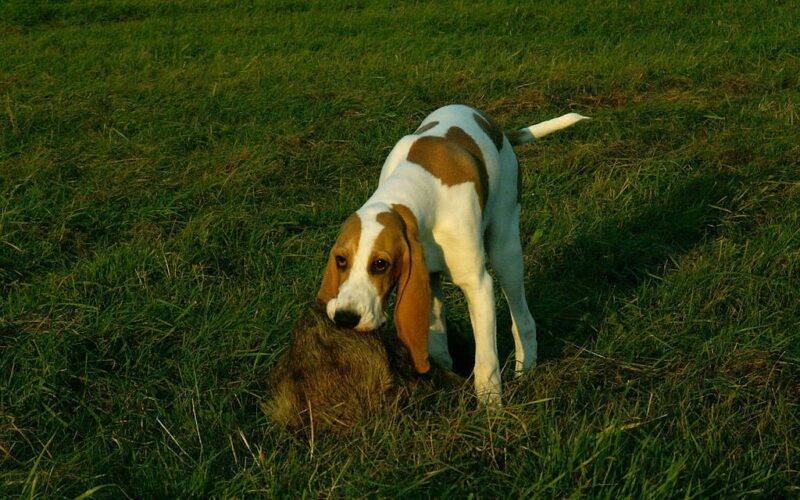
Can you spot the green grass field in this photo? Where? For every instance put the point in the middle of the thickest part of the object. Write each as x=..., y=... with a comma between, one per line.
x=173, y=174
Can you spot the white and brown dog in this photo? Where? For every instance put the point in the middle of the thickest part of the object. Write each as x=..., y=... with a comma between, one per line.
x=446, y=194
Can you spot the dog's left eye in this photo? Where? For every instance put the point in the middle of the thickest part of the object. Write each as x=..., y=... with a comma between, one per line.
x=379, y=265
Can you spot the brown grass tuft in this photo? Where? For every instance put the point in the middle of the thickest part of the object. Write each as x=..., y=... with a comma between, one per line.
x=332, y=378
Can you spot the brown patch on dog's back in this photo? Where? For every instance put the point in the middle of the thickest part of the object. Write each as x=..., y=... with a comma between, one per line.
x=464, y=140
x=491, y=128
x=426, y=127
x=451, y=160
x=457, y=135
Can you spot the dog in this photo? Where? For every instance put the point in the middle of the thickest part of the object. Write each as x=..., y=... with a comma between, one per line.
x=447, y=194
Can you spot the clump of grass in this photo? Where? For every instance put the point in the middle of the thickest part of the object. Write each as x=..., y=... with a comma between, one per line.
x=333, y=379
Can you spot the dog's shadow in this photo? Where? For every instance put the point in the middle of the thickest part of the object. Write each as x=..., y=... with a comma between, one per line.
x=570, y=296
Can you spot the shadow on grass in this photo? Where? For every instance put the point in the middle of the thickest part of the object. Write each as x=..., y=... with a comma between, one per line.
x=572, y=295
x=577, y=289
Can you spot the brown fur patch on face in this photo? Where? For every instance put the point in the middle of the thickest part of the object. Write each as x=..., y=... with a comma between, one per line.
x=346, y=246
x=426, y=127
x=347, y=243
x=452, y=160
x=491, y=128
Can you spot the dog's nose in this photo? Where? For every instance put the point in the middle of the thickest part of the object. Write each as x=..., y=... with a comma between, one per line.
x=346, y=319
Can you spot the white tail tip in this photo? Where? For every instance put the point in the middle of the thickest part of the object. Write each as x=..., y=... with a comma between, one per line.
x=527, y=134
x=556, y=124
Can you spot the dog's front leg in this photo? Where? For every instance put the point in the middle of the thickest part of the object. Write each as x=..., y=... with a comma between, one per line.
x=480, y=299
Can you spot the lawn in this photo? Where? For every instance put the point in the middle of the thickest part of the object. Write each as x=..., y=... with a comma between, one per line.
x=173, y=174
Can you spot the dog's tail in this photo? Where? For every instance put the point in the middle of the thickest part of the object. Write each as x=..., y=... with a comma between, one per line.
x=527, y=134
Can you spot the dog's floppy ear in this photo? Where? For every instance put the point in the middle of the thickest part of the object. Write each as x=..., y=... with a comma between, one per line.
x=330, y=282
x=413, y=309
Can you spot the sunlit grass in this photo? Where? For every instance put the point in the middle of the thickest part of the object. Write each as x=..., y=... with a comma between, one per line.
x=172, y=176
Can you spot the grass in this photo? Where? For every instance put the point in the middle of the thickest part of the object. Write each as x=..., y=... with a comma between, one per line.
x=173, y=174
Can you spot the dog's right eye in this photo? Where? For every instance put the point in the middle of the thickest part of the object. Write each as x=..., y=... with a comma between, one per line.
x=341, y=262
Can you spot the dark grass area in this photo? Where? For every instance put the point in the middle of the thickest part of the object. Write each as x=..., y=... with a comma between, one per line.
x=171, y=176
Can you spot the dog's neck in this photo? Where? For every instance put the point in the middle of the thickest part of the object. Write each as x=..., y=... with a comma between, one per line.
x=396, y=189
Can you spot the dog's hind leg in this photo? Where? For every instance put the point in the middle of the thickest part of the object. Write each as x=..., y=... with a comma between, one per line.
x=505, y=252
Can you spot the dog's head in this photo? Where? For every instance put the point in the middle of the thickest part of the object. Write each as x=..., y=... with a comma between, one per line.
x=378, y=250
